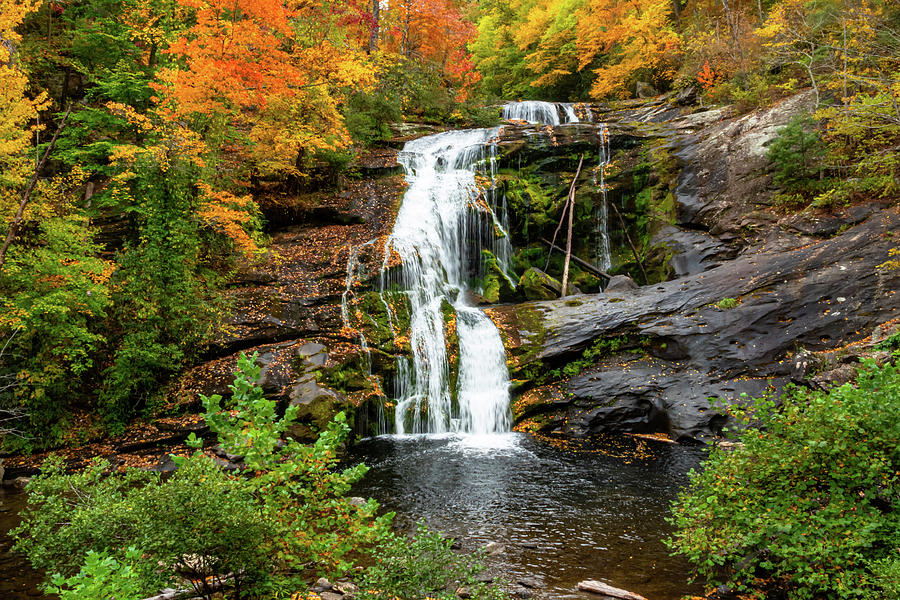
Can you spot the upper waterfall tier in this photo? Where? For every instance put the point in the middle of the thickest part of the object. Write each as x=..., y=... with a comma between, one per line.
x=548, y=113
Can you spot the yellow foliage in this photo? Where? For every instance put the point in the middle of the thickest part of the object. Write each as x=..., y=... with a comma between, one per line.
x=226, y=213
x=16, y=109
x=629, y=36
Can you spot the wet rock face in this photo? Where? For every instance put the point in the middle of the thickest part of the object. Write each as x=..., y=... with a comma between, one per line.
x=817, y=296
x=725, y=178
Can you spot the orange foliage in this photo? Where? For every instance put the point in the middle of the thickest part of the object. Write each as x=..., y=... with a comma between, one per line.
x=234, y=57
x=433, y=31
x=227, y=214
x=707, y=77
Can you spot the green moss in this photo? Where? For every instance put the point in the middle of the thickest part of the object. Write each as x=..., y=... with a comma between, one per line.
x=726, y=303
x=537, y=285
x=495, y=286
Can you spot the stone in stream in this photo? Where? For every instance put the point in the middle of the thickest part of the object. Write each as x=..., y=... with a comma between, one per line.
x=598, y=587
x=494, y=548
x=530, y=582
x=322, y=585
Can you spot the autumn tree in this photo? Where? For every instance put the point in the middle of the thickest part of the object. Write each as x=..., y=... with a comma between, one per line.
x=626, y=38
x=548, y=37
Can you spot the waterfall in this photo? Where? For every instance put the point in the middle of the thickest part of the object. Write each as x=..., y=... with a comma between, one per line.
x=535, y=111
x=441, y=228
x=601, y=217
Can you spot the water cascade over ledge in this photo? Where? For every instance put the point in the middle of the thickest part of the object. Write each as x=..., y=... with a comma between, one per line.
x=447, y=217
x=548, y=113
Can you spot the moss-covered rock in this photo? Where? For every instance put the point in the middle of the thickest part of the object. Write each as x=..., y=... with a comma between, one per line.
x=537, y=285
x=496, y=286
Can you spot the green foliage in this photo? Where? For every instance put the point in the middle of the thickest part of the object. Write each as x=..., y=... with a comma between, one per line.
x=367, y=115
x=302, y=489
x=102, y=576
x=54, y=298
x=164, y=305
x=810, y=499
x=422, y=567
x=726, y=303
x=796, y=152
x=286, y=512
x=200, y=522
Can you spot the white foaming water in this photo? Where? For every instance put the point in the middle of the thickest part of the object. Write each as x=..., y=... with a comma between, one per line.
x=440, y=231
x=535, y=111
x=604, y=254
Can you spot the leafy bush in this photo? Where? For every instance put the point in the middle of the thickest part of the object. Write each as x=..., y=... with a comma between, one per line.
x=285, y=513
x=367, y=115
x=102, y=576
x=811, y=498
x=201, y=522
x=796, y=152
x=423, y=567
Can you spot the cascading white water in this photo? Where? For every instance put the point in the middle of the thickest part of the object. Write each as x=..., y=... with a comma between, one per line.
x=535, y=111
x=604, y=254
x=438, y=235
x=571, y=117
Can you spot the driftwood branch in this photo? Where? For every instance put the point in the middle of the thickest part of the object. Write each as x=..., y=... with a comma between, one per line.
x=26, y=194
x=565, y=277
x=598, y=587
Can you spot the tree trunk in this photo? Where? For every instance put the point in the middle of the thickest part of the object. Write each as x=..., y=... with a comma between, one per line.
x=376, y=16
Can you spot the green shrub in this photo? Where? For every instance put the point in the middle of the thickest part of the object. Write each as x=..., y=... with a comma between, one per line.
x=367, y=116
x=811, y=499
x=797, y=152
x=421, y=567
x=201, y=522
x=102, y=576
x=284, y=514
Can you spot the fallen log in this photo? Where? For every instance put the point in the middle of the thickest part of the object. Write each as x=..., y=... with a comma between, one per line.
x=588, y=266
x=598, y=587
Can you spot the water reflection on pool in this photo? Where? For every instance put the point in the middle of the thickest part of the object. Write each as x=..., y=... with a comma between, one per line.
x=564, y=514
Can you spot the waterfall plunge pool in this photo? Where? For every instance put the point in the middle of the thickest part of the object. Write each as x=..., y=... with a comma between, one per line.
x=563, y=511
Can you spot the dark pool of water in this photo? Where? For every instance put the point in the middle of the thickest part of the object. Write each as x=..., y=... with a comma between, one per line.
x=17, y=578
x=597, y=512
